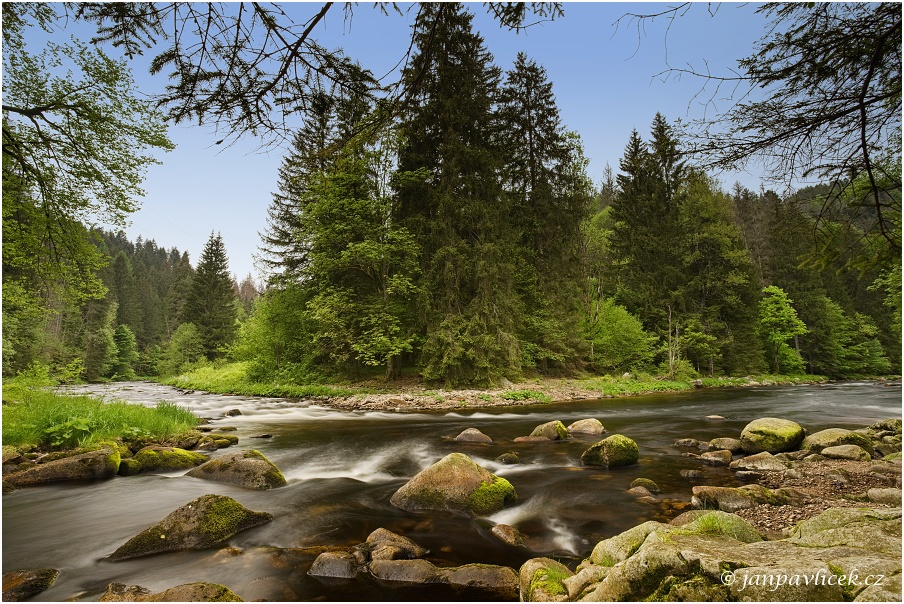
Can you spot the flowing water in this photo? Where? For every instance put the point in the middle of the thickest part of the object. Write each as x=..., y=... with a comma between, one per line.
x=342, y=468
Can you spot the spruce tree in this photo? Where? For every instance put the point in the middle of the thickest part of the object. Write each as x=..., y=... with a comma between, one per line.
x=549, y=195
x=211, y=301
x=458, y=212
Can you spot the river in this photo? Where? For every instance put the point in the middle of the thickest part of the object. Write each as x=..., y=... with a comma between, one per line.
x=342, y=468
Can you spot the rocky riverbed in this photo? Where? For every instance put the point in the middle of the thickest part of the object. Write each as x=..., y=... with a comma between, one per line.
x=833, y=495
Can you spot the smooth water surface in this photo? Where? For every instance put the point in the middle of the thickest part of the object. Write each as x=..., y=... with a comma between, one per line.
x=342, y=468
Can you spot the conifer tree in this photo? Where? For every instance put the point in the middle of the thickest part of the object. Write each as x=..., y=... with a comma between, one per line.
x=545, y=180
x=210, y=306
x=458, y=212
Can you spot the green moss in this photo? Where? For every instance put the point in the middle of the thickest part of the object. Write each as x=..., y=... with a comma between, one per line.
x=721, y=524
x=168, y=459
x=223, y=518
x=233, y=439
x=549, y=581
x=129, y=467
x=616, y=450
x=893, y=456
x=647, y=484
x=490, y=497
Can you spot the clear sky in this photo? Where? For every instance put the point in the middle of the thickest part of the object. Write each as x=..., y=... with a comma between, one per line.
x=603, y=78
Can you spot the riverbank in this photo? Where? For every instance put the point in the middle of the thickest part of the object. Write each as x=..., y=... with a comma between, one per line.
x=412, y=394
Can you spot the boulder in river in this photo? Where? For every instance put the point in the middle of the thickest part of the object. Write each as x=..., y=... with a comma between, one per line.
x=554, y=430
x=165, y=459
x=647, y=484
x=614, y=451
x=508, y=534
x=23, y=584
x=716, y=458
x=249, y=469
x=725, y=444
x=456, y=484
x=508, y=458
x=590, y=425
x=189, y=592
x=772, y=435
x=98, y=463
x=205, y=522
x=473, y=435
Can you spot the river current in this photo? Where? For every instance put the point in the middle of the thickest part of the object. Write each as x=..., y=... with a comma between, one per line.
x=342, y=467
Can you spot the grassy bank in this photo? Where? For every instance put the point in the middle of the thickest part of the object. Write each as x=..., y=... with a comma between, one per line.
x=231, y=378
x=34, y=415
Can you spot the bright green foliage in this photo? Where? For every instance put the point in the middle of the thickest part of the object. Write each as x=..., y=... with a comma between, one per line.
x=275, y=340
x=778, y=324
x=210, y=301
x=362, y=268
x=185, y=348
x=126, y=353
x=618, y=341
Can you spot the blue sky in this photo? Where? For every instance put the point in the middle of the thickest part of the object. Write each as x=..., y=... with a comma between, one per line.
x=603, y=78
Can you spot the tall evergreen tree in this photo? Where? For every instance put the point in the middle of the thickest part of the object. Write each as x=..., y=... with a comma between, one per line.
x=210, y=306
x=458, y=212
x=544, y=177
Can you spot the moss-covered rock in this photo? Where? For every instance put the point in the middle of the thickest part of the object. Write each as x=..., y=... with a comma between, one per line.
x=129, y=467
x=851, y=452
x=647, y=484
x=99, y=463
x=167, y=459
x=508, y=458
x=614, y=451
x=205, y=522
x=249, y=469
x=23, y=584
x=542, y=580
x=620, y=547
x=189, y=592
x=554, y=430
x=876, y=530
x=457, y=484
x=723, y=524
x=771, y=434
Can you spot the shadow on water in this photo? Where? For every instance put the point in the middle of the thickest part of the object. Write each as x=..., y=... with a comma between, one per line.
x=342, y=468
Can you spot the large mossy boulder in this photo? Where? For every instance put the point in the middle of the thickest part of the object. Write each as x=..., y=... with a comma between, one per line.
x=206, y=522
x=167, y=459
x=833, y=437
x=189, y=592
x=99, y=463
x=23, y=584
x=554, y=430
x=772, y=435
x=456, y=484
x=719, y=557
x=249, y=469
x=614, y=451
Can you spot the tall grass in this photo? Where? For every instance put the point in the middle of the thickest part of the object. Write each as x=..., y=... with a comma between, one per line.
x=232, y=378
x=34, y=415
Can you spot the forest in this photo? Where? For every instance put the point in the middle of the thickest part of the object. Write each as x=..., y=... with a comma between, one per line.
x=453, y=237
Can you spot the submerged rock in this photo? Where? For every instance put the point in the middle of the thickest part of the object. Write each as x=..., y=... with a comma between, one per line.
x=586, y=426
x=205, y=522
x=456, y=484
x=614, y=451
x=249, y=469
x=772, y=435
x=23, y=584
x=189, y=592
x=473, y=435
